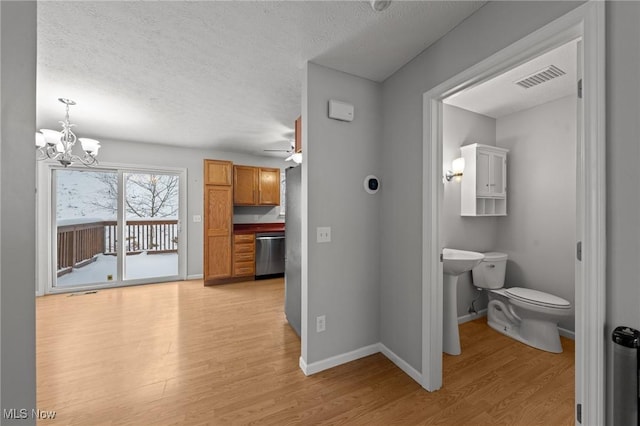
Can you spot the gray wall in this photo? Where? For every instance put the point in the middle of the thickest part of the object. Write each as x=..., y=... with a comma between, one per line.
x=343, y=276
x=462, y=127
x=623, y=174
x=539, y=232
x=492, y=28
x=17, y=221
x=143, y=154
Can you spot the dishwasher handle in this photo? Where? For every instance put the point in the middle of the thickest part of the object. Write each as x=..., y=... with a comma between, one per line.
x=270, y=238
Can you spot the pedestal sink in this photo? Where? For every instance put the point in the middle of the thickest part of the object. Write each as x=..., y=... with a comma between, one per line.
x=454, y=263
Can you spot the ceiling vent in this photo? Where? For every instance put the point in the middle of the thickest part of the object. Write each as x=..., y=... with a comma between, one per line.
x=540, y=77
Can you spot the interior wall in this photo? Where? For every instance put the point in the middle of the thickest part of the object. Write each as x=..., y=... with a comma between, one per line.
x=17, y=222
x=492, y=28
x=462, y=127
x=623, y=174
x=342, y=277
x=144, y=154
x=539, y=233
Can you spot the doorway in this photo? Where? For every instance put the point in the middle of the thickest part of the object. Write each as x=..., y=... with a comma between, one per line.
x=587, y=24
x=111, y=226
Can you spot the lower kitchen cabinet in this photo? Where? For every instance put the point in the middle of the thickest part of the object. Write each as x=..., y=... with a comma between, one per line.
x=244, y=255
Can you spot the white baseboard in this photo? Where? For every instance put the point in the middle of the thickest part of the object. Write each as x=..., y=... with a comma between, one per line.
x=195, y=277
x=303, y=366
x=567, y=333
x=471, y=317
x=334, y=361
x=401, y=363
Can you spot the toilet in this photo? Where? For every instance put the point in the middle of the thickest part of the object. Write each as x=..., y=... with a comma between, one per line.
x=527, y=315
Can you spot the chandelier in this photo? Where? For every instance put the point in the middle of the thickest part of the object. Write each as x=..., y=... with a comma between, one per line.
x=55, y=145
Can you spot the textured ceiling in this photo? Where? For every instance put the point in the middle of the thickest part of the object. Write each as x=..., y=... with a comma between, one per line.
x=500, y=96
x=217, y=74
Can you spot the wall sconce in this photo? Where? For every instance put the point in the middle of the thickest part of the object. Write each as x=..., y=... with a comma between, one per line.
x=457, y=167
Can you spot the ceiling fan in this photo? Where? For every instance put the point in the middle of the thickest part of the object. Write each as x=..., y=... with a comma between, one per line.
x=292, y=146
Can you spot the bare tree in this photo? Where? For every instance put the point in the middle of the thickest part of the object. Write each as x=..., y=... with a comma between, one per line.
x=148, y=195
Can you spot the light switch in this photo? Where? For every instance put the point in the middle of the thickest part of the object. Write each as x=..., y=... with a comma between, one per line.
x=197, y=218
x=324, y=234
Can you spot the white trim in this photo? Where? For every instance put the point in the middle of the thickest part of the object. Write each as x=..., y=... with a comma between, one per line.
x=303, y=366
x=567, y=333
x=471, y=317
x=400, y=363
x=334, y=361
x=45, y=217
x=586, y=21
x=195, y=277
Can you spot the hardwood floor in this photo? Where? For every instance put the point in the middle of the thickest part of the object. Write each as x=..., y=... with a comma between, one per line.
x=182, y=353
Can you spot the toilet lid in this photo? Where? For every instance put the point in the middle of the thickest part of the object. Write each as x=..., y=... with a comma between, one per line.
x=537, y=297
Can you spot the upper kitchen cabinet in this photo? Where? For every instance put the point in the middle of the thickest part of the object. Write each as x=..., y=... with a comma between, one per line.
x=269, y=187
x=256, y=186
x=484, y=183
x=217, y=172
x=245, y=185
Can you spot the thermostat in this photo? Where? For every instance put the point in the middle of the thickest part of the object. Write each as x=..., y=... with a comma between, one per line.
x=371, y=184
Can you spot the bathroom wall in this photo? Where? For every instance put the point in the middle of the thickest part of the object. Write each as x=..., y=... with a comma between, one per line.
x=462, y=127
x=538, y=233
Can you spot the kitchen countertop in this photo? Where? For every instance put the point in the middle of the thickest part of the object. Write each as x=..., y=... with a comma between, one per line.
x=248, y=228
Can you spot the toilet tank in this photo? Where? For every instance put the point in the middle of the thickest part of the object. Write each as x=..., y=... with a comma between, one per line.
x=490, y=272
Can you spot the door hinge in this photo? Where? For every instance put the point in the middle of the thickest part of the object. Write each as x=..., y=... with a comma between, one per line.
x=579, y=413
x=441, y=257
x=579, y=250
x=580, y=89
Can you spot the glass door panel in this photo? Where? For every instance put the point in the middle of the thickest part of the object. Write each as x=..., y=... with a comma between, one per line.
x=85, y=227
x=151, y=225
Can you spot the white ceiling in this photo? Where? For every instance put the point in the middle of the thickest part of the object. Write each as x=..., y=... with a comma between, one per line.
x=217, y=74
x=500, y=96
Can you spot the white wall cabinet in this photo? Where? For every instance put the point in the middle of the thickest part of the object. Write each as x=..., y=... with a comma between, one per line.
x=484, y=183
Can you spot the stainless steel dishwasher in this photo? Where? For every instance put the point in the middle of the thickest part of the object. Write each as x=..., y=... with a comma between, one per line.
x=270, y=252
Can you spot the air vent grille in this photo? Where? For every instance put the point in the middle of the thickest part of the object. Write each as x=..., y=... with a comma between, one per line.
x=540, y=77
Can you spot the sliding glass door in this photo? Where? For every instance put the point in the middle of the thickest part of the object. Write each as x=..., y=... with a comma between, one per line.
x=115, y=227
x=151, y=237
x=86, y=217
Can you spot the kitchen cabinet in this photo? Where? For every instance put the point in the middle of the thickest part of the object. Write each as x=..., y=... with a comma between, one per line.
x=217, y=172
x=244, y=255
x=256, y=186
x=483, y=189
x=245, y=185
x=269, y=187
x=218, y=220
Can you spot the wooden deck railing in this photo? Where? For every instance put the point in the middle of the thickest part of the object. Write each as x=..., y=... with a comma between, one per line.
x=78, y=244
x=153, y=236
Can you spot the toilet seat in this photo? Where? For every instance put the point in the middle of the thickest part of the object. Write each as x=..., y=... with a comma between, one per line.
x=536, y=297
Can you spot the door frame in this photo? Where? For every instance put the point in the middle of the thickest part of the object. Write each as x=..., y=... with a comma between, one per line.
x=45, y=228
x=587, y=23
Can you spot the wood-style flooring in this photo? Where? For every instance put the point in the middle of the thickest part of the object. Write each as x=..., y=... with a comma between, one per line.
x=182, y=353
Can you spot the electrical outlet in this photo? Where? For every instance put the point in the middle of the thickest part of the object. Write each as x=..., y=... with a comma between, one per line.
x=321, y=323
x=197, y=218
x=324, y=234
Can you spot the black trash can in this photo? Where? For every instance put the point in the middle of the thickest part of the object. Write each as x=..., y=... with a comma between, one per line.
x=626, y=394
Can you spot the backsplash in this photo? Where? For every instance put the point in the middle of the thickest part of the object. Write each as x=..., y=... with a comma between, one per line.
x=258, y=214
